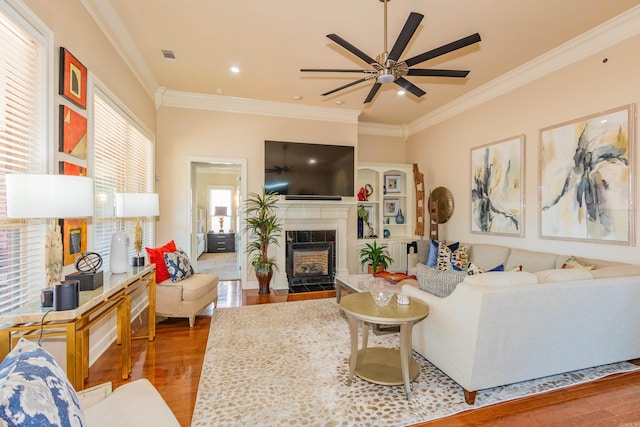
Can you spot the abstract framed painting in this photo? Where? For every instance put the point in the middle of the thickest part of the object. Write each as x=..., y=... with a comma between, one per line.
x=586, y=178
x=497, y=180
x=74, y=239
x=73, y=79
x=73, y=133
x=66, y=168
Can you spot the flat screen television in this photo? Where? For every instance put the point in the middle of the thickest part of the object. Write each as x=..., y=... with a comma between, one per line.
x=308, y=171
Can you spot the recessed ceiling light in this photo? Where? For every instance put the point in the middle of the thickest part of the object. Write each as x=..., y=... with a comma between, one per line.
x=297, y=97
x=339, y=102
x=401, y=92
x=219, y=91
x=235, y=69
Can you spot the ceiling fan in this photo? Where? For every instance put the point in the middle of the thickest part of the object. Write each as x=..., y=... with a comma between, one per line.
x=387, y=67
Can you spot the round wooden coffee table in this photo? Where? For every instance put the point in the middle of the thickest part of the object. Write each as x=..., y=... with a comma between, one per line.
x=382, y=365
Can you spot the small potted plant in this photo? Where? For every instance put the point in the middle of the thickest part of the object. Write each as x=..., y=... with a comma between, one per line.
x=363, y=218
x=263, y=228
x=376, y=257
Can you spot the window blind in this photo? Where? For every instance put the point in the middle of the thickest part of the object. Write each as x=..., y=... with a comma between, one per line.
x=123, y=162
x=22, y=101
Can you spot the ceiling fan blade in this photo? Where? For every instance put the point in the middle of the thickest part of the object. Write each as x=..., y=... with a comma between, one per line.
x=347, y=85
x=372, y=92
x=437, y=73
x=450, y=47
x=334, y=70
x=351, y=48
x=407, y=85
x=407, y=32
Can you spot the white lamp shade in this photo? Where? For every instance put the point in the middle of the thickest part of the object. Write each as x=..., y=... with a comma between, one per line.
x=49, y=196
x=132, y=205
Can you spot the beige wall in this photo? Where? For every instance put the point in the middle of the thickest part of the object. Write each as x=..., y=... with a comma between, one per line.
x=381, y=149
x=581, y=89
x=187, y=133
x=75, y=30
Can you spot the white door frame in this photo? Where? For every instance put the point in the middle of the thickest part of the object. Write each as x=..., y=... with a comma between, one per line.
x=191, y=201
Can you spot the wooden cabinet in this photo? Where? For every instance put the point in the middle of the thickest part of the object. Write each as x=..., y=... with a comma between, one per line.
x=221, y=242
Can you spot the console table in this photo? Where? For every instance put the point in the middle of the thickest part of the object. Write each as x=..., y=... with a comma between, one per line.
x=32, y=321
x=221, y=242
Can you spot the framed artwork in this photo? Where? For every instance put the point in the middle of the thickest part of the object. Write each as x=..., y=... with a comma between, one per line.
x=73, y=79
x=73, y=133
x=66, y=168
x=393, y=183
x=391, y=207
x=497, y=177
x=74, y=239
x=586, y=178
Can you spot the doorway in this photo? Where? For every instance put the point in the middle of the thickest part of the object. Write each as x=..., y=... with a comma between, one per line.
x=217, y=187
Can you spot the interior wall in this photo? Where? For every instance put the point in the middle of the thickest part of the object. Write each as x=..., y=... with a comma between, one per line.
x=381, y=149
x=184, y=133
x=584, y=88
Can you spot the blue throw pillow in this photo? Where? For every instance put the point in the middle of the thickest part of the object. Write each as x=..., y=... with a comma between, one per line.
x=497, y=268
x=178, y=265
x=35, y=390
x=432, y=261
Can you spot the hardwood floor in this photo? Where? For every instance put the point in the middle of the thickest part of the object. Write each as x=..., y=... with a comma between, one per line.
x=173, y=363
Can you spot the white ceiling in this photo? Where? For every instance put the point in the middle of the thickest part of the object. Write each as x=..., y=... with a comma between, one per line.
x=271, y=40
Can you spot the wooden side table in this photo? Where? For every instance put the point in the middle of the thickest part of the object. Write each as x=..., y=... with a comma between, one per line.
x=382, y=365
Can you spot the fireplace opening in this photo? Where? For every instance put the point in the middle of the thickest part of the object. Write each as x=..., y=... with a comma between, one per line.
x=310, y=261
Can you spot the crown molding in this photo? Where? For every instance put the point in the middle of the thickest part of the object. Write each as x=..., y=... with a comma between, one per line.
x=112, y=27
x=612, y=32
x=173, y=98
x=381, y=129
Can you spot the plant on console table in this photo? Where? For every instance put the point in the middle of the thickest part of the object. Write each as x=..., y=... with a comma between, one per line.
x=263, y=229
x=376, y=257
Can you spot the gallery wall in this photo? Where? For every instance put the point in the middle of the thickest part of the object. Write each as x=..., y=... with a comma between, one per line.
x=603, y=81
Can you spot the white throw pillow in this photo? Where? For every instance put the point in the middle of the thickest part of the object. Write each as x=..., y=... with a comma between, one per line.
x=501, y=278
x=563, y=275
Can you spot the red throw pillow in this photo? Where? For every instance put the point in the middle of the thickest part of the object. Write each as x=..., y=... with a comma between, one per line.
x=156, y=256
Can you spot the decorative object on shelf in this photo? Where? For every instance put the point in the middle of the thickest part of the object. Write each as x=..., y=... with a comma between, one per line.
x=393, y=183
x=384, y=189
x=87, y=266
x=365, y=192
x=387, y=220
x=497, y=174
x=38, y=196
x=400, y=217
x=587, y=178
x=73, y=79
x=220, y=211
x=263, y=229
x=386, y=233
x=443, y=198
x=363, y=216
x=375, y=257
x=133, y=205
x=418, y=180
x=391, y=207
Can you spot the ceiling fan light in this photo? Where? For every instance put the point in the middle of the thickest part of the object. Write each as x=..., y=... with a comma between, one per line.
x=385, y=78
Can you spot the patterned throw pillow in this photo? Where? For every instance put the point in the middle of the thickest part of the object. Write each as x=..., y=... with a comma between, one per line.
x=434, y=251
x=438, y=282
x=572, y=262
x=444, y=257
x=35, y=390
x=460, y=258
x=178, y=265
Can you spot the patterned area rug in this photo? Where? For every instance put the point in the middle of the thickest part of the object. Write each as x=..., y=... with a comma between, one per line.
x=225, y=265
x=286, y=364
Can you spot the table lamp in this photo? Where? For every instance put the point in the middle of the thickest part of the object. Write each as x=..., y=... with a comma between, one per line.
x=220, y=211
x=132, y=205
x=40, y=196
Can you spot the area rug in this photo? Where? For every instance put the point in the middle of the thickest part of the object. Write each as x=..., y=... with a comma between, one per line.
x=286, y=364
x=225, y=265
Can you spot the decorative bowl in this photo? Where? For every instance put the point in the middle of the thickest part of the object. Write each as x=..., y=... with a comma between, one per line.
x=382, y=298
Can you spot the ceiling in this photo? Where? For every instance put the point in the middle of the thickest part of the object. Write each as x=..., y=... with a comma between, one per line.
x=271, y=40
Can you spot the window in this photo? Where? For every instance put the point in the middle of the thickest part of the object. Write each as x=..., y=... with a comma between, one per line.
x=220, y=197
x=123, y=163
x=24, y=101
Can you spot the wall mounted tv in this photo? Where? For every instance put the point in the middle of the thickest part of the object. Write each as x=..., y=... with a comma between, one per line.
x=308, y=171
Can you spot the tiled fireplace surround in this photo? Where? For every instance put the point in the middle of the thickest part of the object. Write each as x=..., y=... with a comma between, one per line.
x=309, y=216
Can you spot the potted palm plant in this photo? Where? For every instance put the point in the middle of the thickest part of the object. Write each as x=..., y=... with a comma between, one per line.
x=376, y=257
x=263, y=229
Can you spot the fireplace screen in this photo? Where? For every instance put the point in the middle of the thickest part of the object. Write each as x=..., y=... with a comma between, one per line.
x=309, y=263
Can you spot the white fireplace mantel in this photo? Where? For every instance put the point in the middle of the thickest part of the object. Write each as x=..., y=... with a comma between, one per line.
x=299, y=215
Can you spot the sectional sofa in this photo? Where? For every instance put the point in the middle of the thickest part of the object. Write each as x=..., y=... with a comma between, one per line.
x=499, y=328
